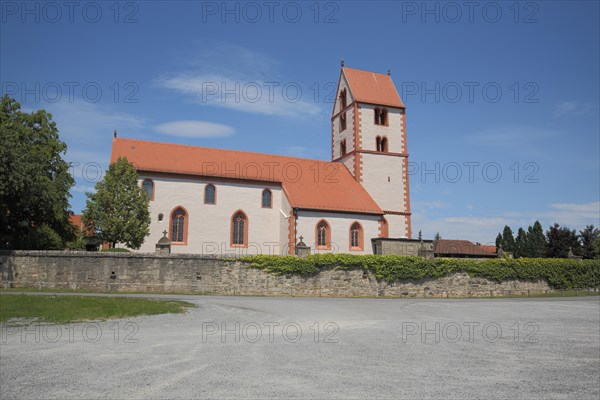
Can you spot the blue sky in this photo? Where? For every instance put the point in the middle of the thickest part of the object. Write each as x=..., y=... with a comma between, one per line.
x=501, y=87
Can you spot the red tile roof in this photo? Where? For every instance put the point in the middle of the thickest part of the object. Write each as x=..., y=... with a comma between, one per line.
x=463, y=247
x=309, y=184
x=370, y=87
x=77, y=221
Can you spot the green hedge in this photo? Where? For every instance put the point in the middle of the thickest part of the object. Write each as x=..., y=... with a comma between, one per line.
x=560, y=273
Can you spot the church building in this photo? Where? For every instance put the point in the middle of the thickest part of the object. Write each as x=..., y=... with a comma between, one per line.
x=215, y=201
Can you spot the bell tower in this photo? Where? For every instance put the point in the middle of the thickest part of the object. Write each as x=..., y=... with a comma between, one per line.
x=368, y=135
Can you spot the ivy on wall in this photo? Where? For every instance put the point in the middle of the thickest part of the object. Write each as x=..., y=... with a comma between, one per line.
x=560, y=273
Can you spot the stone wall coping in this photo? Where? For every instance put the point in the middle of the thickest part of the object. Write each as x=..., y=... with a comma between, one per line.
x=99, y=254
x=401, y=240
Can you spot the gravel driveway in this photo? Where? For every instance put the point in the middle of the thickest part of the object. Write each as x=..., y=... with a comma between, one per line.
x=282, y=348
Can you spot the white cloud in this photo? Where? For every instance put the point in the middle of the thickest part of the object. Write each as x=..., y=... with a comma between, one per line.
x=240, y=79
x=82, y=121
x=573, y=214
x=511, y=136
x=83, y=189
x=428, y=205
x=303, y=152
x=242, y=94
x=194, y=129
x=473, y=228
x=571, y=108
x=484, y=229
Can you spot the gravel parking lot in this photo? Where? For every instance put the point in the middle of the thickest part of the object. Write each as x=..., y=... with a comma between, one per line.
x=259, y=347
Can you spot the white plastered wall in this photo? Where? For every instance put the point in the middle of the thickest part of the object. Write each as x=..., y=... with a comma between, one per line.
x=393, y=132
x=339, y=224
x=209, y=225
x=382, y=178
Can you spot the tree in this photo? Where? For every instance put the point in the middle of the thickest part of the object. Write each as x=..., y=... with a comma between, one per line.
x=118, y=210
x=498, y=241
x=521, y=242
x=537, y=241
x=596, y=247
x=420, y=236
x=560, y=240
x=588, y=235
x=34, y=180
x=508, y=240
x=437, y=236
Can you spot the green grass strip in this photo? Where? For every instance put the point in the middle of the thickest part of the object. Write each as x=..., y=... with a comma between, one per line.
x=62, y=309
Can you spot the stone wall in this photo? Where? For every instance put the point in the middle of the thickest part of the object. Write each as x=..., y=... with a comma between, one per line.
x=403, y=247
x=132, y=272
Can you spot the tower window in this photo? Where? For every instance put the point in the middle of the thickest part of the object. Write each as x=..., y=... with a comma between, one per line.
x=343, y=100
x=382, y=144
x=381, y=116
x=210, y=193
x=343, y=122
x=267, y=199
x=343, y=147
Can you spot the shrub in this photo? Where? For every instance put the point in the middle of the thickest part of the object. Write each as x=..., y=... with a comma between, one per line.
x=43, y=238
x=560, y=273
x=77, y=244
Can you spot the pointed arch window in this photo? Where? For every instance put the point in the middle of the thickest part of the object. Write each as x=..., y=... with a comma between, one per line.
x=323, y=235
x=179, y=224
x=356, y=236
x=267, y=199
x=343, y=122
x=343, y=99
x=239, y=229
x=382, y=144
x=210, y=194
x=381, y=116
x=343, y=147
x=148, y=186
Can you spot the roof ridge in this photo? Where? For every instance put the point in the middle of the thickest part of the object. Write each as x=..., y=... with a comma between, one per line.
x=366, y=71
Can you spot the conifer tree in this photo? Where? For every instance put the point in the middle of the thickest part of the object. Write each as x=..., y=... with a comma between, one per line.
x=508, y=240
x=536, y=241
x=520, y=249
x=588, y=235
